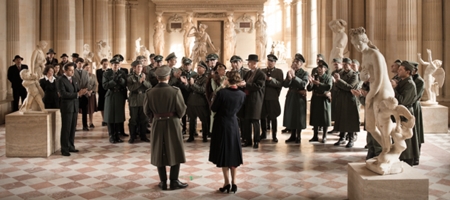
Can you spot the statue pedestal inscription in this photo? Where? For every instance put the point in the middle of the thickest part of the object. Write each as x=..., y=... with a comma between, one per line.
x=435, y=119
x=365, y=184
x=32, y=134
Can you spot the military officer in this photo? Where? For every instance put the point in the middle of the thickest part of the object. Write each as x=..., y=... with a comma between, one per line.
x=237, y=65
x=320, y=111
x=114, y=80
x=165, y=103
x=416, y=106
x=151, y=73
x=186, y=73
x=337, y=64
x=137, y=85
x=271, y=108
x=211, y=61
x=394, y=69
x=295, y=107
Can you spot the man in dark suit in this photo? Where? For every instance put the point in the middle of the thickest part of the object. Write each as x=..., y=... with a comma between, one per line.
x=271, y=108
x=101, y=91
x=254, y=83
x=75, y=56
x=51, y=60
x=16, y=82
x=64, y=60
x=82, y=78
x=69, y=91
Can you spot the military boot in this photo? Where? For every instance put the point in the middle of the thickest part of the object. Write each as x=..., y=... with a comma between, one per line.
x=132, y=129
x=351, y=140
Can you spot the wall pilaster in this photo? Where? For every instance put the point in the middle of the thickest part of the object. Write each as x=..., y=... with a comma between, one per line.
x=120, y=35
x=66, y=39
x=46, y=28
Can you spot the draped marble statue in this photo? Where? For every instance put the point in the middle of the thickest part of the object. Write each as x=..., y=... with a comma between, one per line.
x=158, y=36
x=33, y=102
x=340, y=39
x=201, y=44
x=230, y=37
x=138, y=46
x=433, y=76
x=380, y=105
x=38, y=59
x=187, y=25
x=261, y=36
x=89, y=56
x=104, y=50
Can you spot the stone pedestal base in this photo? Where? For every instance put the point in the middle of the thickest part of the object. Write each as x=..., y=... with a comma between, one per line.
x=365, y=184
x=32, y=135
x=435, y=119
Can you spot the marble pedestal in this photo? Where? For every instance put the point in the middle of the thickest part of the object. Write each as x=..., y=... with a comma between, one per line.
x=365, y=184
x=32, y=135
x=435, y=119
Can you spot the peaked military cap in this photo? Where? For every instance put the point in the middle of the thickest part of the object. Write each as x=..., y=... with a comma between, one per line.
x=347, y=60
x=235, y=58
x=407, y=65
x=170, y=56
x=320, y=56
x=272, y=57
x=136, y=63
x=163, y=71
x=119, y=57
x=323, y=64
x=212, y=56
x=186, y=61
x=398, y=62
x=299, y=57
x=202, y=64
x=115, y=60
x=337, y=60
x=158, y=58
x=415, y=64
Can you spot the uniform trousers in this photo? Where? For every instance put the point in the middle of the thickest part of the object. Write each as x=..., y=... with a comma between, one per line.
x=247, y=126
x=174, y=171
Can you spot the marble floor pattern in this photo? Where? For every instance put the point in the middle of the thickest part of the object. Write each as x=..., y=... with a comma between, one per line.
x=273, y=171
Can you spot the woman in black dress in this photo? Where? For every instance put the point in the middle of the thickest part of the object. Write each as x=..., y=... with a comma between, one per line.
x=48, y=84
x=225, y=150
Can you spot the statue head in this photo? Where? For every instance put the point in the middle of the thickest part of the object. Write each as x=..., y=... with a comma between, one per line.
x=202, y=26
x=230, y=17
x=360, y=40
x=338, y=25
x=437, y=63
x=42, y=44
x=25, y=74
x=189, y=17
x=86, y=47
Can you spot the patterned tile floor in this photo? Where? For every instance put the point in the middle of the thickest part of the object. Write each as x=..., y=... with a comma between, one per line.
x=274, y=171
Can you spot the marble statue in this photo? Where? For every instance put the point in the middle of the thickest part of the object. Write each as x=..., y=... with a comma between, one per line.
x=261, y=36
x=380, y=105
x=433, y=76
x=33, y=102
x=340, y=39
x=38, y=59
x=158, y=36
x=230, y=37
x=187, y=25
x=279, y=50
x=88, y=55
x=137, y=51
x=104, y=50
x=201, y=44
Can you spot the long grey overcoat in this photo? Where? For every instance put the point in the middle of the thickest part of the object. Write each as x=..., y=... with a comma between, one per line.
x=295, y=106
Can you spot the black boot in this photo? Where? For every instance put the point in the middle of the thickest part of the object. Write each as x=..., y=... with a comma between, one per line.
x=117, y=136
x=142, y=135
x=315, y=138
x=324, y=135
x=111, y=133
x=341, y=139
x=299, y=136
x=132, y=129
x=293, y=136
x=274, y=135
x=351, y=139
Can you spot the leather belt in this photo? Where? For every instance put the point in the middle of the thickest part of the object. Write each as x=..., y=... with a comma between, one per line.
x=138, y=92
x=164, y=115
x=301, y=92
x=320, y=95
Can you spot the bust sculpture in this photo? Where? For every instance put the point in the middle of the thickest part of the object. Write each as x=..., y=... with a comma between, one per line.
x=187, y=25
x=261, y=36
x=104, y=50
x=201, y=44
x=229, y=37
x=340, y=39
x=158, y=36
x=380, y=104
x=433, y=76
x=38, y=59
x=33, y=102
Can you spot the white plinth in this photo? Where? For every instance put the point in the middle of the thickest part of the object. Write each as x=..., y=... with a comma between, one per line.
x=435, y=119
x=367, y=185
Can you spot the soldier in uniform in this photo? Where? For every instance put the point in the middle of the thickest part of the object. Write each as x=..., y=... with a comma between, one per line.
x=254, y=83
x=137, y=85
x=125, y=94
x=420, y=87
x=394, y=69
x=197, y=105
x=114, y=81
x=151, y=76
x=211, y=61
x=101, y=91
x=405, y=93
x=271, y=108
x=166, y=105
x=346, y=110
x=295, y=107
x=171, y=60
x=320, y=111
x=186, y=73
x=337, y=63
x=237, y=65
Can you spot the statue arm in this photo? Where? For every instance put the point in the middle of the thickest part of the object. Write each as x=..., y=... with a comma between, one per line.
x=422, y=61
x=208, y=40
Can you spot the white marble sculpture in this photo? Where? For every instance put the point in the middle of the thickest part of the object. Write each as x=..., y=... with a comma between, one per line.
x=187, y=25
x=433, y=76
x=261, y=36
x=89, y=56
x=38, y=59
x=229, y=37
x=138, y=46
x=201, y=44
x=158, y=36
x=33, y=102
x=279, y=50
x=104, y=50
x=380, y=105
x=340, y=39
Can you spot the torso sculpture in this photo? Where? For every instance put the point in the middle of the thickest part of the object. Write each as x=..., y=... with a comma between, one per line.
x=433, y=76
x=261, y=36
x=230, y=38
x=33, y=102
x=137, y=51
x=104, y=50
x=186, y=39
x=202, y=41
x=38, y=59
x=340, y=39
x=158, y=36
x=380, y=105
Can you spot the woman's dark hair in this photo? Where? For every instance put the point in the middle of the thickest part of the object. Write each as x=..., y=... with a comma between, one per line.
x=233, y=77
x=103, y=60
x=85, y=65
x=47, y=67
